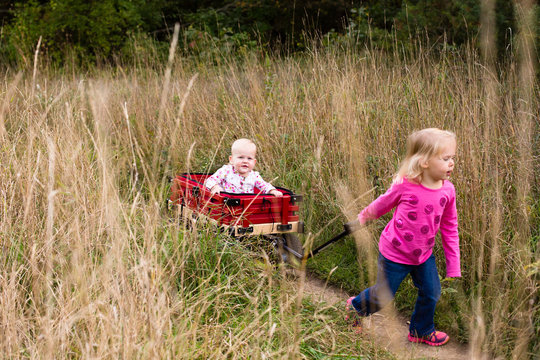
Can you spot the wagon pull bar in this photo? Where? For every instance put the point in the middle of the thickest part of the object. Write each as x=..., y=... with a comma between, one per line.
x=349, y=228
x=329, y=242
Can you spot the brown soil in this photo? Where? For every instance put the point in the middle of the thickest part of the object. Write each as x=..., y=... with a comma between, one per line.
x=387, y=329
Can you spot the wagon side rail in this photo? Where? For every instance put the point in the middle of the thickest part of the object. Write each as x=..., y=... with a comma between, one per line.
x=244, y=213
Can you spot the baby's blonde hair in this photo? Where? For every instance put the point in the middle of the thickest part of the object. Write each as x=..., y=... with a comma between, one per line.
x=240, y=143
x=421, y=146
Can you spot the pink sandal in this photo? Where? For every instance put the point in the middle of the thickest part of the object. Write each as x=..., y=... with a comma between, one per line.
x=352, y=316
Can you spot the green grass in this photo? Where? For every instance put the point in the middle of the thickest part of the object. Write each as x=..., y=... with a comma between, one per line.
x=93, y=268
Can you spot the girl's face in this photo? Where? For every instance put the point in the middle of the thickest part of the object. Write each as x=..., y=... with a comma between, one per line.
x=440, y=166
x=243, y=160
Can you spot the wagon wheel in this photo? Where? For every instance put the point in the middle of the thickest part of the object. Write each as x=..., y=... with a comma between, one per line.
x=290, y=249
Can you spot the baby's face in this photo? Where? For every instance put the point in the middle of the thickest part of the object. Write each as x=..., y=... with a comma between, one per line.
x=243, y=159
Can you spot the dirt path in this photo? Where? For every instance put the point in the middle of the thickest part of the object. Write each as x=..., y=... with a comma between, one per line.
x=383, y=327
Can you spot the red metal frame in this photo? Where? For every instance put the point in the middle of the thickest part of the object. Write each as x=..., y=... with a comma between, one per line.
x=234, y=209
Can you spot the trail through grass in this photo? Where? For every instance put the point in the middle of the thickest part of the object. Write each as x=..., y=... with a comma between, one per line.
x=92, y=267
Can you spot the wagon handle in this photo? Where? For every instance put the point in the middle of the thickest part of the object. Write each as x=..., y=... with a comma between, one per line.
x=352, y=226
x=348, y=228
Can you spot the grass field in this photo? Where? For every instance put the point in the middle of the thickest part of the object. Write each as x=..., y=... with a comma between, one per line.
x=93, y=266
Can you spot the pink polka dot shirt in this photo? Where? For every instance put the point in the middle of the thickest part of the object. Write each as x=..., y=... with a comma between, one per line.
x=420, y=213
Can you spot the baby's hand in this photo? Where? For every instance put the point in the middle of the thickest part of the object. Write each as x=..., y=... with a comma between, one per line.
x=216, y=189
x=276, y=193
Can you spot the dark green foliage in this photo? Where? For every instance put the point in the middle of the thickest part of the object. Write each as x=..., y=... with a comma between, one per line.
x=93, y=30
x=5, y=13
x=454, y=21
x=90, y=29
x=270, y=19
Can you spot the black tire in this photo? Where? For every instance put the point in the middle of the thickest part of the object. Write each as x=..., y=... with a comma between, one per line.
x=290, y=249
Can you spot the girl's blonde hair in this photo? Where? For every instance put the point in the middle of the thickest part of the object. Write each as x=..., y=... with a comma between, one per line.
x=421, y=146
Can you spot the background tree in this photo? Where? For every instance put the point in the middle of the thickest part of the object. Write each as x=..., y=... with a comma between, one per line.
x=98, y=29
x=87, y=28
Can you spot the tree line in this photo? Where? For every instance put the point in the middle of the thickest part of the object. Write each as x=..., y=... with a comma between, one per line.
x=100, y=29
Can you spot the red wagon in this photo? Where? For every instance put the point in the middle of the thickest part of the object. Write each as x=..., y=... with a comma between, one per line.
x=242, y=214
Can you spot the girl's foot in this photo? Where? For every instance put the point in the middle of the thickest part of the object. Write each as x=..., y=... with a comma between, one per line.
x=436, y=338
x=351, y=316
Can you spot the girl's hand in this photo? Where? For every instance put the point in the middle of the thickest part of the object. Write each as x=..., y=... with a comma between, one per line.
x=352, y=226
x=276, y=193
x=216, y=189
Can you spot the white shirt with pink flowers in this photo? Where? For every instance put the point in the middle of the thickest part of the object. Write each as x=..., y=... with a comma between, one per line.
x=232, y=182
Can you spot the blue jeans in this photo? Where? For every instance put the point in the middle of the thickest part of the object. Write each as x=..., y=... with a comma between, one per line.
x=389, y=276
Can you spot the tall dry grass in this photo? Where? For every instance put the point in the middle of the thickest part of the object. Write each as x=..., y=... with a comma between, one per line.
x=92, y=266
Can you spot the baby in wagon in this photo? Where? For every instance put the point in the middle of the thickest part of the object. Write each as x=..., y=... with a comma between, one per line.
x=238, y=176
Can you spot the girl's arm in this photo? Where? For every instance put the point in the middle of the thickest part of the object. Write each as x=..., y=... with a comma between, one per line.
x=382, y=204
x=450, y=238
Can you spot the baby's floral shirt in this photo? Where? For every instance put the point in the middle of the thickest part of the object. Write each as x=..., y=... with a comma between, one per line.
x=232, y=182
